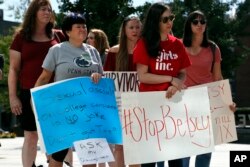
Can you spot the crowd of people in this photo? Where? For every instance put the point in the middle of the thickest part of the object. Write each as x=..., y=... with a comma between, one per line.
x=141, y=48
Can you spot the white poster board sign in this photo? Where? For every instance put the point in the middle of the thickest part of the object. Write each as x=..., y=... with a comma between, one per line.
x=92, y=151
x=223, y=120
x=125, y=81
x=158, y=129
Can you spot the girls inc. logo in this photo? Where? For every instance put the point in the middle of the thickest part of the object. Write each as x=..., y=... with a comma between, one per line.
x=161, y=64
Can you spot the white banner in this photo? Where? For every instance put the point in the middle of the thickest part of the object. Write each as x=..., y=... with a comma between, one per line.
x=223, y=120
x=159, y=129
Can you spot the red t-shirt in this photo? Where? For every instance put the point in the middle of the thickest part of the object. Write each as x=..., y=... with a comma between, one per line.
x=32, y=56
x=171, y=60
x=110, y=62
x=200, y=70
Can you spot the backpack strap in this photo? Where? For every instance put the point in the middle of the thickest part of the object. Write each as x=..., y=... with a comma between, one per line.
x=212, y=46
x=59, y=35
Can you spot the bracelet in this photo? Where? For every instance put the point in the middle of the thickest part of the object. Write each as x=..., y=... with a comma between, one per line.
x=171, y=79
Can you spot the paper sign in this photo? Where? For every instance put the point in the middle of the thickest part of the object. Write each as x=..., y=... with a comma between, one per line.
x=223, y=120
x=92, y=151
x=76, y=109
x=157, y=129
x=124, y=81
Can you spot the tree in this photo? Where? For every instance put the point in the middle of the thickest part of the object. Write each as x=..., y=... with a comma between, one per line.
x=106, y=15
x=4, y=49
x=18, y=10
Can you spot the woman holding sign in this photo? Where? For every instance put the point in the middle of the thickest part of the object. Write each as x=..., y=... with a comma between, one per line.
x=160, y=57
x=28, y=49
x=66, y=58
x=120, y=58
x=206, y=64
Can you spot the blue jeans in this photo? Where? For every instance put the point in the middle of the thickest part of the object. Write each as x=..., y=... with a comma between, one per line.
x=202, y=160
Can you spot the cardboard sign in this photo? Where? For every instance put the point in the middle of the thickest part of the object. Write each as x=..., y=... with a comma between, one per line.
x=76, y=109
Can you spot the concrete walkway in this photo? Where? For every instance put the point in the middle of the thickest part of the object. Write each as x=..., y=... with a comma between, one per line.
x=10, y=154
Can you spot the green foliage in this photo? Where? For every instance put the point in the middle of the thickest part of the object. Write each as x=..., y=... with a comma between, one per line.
x=106, y=15
x=4, y=49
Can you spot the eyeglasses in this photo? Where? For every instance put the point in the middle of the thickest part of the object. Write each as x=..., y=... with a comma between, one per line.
x=196, y=21
x=167, y=18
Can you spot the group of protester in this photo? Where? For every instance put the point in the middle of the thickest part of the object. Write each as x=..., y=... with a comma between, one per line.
x=40, y=54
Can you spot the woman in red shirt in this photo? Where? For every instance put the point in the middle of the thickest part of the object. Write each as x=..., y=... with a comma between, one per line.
x=205, y=67
x=160, y=57
x=27, y=52
x=120, y=58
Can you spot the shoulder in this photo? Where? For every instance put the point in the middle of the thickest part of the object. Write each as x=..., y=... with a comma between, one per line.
x=114, y=49
x=59, y=34
x=18, y=36
x=174, y=39
x=214, y=47
x=57, y=47
x=87, y=46
x=212, y=44
x=90, y=48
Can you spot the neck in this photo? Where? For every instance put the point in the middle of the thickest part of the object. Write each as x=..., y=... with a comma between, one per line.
x=40, y=28
x=197, y=40
x=131, y=46
x=76, y=44
x=164, y=37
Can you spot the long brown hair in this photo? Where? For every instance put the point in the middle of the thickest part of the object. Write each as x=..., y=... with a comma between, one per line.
x=28, y=26
x=101, y=40
x=122, y=60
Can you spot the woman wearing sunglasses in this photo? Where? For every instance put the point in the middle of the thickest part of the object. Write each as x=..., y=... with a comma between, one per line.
x=205, y=67
x=161, y=58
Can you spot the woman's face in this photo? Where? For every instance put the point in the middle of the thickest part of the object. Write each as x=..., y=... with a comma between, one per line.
x=44, y=14
x=166, y=22
x=78, y=32
x=91, y=39
x=133, y=29
x=198, y=25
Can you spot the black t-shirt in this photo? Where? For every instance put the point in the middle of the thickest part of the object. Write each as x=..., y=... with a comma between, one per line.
x=1, y=61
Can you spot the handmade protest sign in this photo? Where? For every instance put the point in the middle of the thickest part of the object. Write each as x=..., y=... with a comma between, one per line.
x=92, y=151
x=223, y=120
x=76, y=109
x=157, y=129
x=125, y=81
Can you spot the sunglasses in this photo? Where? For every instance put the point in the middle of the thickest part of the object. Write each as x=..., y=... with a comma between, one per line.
x=202, y=22
x=167, y=18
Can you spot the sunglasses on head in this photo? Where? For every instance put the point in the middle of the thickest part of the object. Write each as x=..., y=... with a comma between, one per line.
x=196, y=21
x=167, y=18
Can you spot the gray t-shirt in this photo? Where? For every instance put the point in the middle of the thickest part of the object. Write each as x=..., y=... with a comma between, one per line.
x=68, y=61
